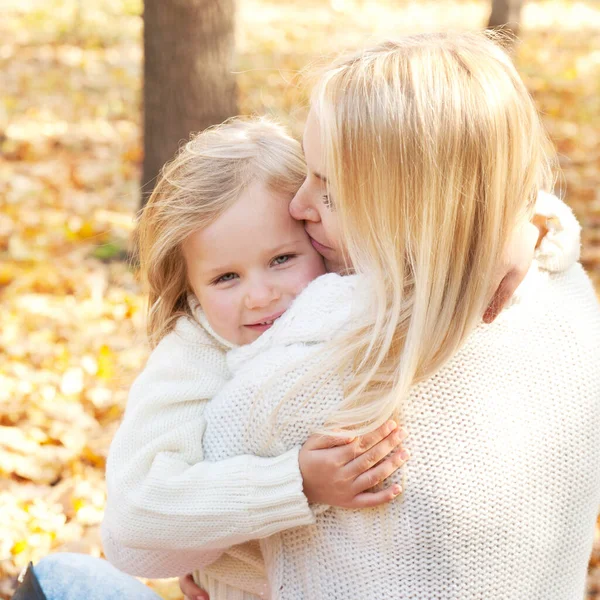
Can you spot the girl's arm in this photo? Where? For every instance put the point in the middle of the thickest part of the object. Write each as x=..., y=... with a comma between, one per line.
x=169, y=511
x=553, y=238
x=162, y=495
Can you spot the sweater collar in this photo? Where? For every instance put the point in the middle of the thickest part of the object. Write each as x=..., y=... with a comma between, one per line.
x=325, y=308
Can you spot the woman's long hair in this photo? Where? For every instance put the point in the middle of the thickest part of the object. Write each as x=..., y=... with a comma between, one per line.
x=206, y=177
x=434, y=152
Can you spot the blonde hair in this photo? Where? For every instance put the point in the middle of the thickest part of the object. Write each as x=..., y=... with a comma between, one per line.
x=205, y=178
x=433, y=152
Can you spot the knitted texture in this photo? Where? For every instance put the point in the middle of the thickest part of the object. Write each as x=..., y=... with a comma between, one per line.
x=503, y=483
x=169, y=510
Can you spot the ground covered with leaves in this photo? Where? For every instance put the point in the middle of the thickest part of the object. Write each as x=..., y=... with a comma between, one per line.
x=71, y=311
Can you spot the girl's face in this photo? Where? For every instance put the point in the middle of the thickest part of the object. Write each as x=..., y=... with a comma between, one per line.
x=312, y=205
x=247, y=267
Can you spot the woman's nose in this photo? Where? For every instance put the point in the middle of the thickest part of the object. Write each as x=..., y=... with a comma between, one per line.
x=301, y=206
x=261, y=294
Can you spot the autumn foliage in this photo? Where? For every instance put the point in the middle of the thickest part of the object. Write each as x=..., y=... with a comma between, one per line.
x=71, y=310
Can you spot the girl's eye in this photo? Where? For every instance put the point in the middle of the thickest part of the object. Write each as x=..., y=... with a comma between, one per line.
x=280, y=260
x=225, y=278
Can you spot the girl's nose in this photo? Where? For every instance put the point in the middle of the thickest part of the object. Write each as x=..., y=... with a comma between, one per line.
x=301, y=206
x=261, y=294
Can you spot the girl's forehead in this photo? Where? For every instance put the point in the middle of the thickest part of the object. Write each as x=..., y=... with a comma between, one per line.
x=259, y=221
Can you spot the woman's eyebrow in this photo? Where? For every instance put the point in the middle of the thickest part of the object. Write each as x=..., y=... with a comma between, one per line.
x=317, y=175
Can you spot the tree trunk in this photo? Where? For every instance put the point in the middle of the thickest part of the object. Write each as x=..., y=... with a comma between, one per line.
x=188, y=79
x=506, y=14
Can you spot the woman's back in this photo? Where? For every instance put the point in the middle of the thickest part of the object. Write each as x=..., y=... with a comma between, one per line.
x=503, y=485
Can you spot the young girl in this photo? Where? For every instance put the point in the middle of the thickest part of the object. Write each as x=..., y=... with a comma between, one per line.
x=424, y=226
x=224, y=260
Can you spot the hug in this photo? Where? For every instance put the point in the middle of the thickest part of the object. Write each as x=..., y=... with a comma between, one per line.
x=372, y=375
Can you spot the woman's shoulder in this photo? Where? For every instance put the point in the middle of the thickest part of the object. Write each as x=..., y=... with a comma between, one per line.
x=553, y=301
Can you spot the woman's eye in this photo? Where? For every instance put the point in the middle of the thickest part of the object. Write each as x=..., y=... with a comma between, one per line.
x=280, y=260
x=225, y=278
x=327, y=201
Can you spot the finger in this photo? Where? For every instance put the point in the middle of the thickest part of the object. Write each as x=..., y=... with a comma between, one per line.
x=516, y=260
x=502, y=295
x=190, y=590
x=370, y=499
x=320, y=442
x=367, y=441
x=363, y=462
x=541, y=223
x=381, y=471
x=497, y=302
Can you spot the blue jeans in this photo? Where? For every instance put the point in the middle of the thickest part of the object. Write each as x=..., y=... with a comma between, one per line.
x=68, y=576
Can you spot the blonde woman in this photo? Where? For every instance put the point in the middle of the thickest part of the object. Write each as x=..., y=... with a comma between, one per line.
x=426, y=156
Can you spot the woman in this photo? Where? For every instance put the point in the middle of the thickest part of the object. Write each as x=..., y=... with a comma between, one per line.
x=425, y=156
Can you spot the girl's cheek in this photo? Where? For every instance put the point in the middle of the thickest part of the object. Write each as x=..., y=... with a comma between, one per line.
x=220, y=308
x=311, y=268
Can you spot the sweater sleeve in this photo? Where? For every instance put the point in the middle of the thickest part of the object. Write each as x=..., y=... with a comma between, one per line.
x=168, y=510
x=236, y=574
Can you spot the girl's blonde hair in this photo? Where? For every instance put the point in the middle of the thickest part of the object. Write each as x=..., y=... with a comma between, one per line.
x=434, y=151
x=206, y=177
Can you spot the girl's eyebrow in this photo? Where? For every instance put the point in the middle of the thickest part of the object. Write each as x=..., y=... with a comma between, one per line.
x=218, y=270
x=287, y=246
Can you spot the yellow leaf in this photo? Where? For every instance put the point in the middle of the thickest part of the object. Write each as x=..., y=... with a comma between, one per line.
x=105, y=362
x=19, y=547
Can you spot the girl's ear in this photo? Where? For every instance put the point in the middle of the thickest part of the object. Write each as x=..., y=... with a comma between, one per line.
x=517, y=261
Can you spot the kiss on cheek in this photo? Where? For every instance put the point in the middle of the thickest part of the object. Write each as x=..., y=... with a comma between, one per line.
x=247, y=266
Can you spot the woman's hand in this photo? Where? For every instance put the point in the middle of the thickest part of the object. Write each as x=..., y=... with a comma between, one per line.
x=190, y=590
x=339, y=471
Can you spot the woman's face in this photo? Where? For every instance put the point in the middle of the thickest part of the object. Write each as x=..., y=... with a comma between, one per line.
x=311, y=203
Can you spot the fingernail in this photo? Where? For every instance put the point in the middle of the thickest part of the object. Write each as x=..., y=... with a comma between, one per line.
x=390, y=426
x=396, y=489
x=404, y=454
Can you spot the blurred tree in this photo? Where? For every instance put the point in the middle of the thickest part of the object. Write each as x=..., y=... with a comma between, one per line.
x=506, y=14
x=188, y=79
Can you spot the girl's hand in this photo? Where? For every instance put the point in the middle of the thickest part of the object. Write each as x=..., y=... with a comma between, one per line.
x=516, y=261
x=190, y=590
x=339, y=471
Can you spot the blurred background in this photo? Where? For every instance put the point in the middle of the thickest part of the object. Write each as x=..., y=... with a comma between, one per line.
x=72, y=158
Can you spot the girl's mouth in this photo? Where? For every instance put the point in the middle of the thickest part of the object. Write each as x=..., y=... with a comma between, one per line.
x=266, y=323
x=260, y=327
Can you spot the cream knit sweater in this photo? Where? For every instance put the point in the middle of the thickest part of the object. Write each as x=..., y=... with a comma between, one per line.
x=503, y=478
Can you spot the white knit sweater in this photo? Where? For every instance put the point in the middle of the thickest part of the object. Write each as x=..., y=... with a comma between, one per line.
x=167, y=511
